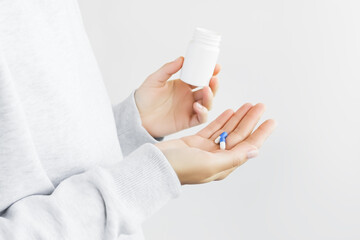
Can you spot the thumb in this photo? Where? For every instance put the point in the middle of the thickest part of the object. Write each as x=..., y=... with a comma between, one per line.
x=159, y=78
x=235, y=157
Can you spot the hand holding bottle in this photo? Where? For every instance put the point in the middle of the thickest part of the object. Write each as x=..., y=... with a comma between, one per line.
x=167, y=107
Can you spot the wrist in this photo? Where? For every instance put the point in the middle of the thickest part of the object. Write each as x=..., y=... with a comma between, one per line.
x=166, y=149
x=144, y=122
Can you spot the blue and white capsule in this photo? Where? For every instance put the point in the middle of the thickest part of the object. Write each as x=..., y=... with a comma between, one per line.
x=222, y=143
x=224, y=135
x=221, y=139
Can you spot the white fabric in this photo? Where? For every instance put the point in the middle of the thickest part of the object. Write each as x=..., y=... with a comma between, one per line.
x=62, y=171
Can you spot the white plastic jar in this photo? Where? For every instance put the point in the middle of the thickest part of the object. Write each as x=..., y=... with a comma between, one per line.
x=201, y=57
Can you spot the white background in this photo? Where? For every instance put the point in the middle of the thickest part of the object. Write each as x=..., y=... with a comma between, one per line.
x=302, y=59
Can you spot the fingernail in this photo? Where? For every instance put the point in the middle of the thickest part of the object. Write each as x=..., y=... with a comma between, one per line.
x=252, y=154
x=176, y=59
x=201, y=107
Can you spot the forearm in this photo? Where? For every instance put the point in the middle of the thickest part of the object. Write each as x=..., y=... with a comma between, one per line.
x=102, y=203
x=131, y=133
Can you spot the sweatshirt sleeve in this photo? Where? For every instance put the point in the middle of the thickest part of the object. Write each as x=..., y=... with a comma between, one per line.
x=102, y=203
x=19, y=161
x=130, y=132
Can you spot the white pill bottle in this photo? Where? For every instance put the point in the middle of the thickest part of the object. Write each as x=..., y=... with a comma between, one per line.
x=201, y=57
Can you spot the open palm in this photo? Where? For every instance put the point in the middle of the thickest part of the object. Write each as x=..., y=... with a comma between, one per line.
x=197, y=159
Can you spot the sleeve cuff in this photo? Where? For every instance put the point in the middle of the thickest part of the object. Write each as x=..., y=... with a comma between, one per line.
x=145, y=181
x=130, y=132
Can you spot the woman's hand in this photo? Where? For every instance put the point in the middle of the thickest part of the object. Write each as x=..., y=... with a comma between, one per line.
x=169, y=106
x=197, y=159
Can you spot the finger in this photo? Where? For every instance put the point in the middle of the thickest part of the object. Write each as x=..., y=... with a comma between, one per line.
x=200, y=115
x=258, y=137
x=233, y=122
x=224, y=174
x=250, y=145
x=228, y=159
x=217, y=69
x=245, y=126
x=160, y=77
x=205, y=96
x=217, y=124
x=193, y=87
x=214, y=84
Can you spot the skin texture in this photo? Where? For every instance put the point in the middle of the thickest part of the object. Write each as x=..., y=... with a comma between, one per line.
x=197, y=159
x=167, y=107
x=170, y=106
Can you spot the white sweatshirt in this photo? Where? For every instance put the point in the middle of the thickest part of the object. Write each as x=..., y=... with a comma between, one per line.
x=72, y=166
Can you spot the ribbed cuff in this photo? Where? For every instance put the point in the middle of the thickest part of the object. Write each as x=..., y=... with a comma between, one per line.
x=145, y=181
x=131, y=133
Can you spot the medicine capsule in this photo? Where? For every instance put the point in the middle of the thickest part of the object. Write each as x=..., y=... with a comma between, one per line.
x=224, y=135
x=222, y=143
x=221, y=139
